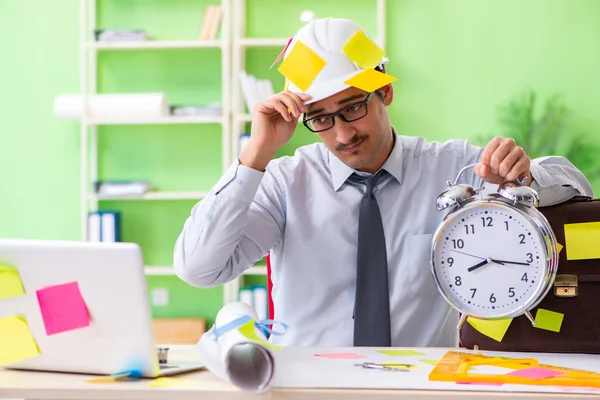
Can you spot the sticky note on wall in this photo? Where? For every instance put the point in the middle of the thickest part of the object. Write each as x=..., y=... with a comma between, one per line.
x=582, y=240
x=63, y=308
x=10, y=282
x=16, y=341
x=496, y=329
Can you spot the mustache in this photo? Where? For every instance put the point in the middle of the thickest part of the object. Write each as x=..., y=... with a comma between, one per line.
x=355, y=139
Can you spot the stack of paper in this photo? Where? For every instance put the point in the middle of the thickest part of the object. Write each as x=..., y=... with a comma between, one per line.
x=254, y=89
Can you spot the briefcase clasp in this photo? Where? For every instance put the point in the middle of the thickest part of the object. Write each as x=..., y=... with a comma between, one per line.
x=565, y=285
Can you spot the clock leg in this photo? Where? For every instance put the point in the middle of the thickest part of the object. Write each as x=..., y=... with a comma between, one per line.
x=530, y=317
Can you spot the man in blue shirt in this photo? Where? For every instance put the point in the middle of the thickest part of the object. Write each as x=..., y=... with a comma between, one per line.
x=305, y=209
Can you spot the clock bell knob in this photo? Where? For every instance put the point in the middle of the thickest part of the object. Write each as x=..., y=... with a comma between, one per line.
x=518, y=194
x=455, y=195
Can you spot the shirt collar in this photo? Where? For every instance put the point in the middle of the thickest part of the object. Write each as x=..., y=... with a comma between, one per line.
x=393, y=165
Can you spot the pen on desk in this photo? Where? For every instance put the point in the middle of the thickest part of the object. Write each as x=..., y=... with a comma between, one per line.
x=386, y=367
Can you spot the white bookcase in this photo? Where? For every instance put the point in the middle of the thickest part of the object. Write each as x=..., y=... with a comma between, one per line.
x=241, y=43
x=89, y=49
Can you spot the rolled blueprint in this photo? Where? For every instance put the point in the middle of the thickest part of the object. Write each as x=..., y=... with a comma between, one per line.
x=112, y=106
x=237, y=351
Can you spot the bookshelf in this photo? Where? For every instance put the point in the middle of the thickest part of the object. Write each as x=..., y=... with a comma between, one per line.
x=92, y=130
x=241, y=45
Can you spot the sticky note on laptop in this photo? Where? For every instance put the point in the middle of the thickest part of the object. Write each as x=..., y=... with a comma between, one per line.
x=16, y=341
x=63, y=308
x=10, y=282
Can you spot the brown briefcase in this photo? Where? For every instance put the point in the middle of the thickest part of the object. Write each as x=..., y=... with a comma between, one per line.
x=576, y=294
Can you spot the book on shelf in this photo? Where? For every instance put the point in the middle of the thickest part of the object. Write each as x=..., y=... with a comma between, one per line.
x=121, y=188
x=120, y=35
x=211, y=22
x=181, y=110
x=254, y=89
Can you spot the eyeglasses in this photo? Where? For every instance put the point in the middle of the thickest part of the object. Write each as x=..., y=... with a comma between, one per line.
x=350, y=113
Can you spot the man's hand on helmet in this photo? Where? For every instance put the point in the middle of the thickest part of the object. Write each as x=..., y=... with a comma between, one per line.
x=272, y=127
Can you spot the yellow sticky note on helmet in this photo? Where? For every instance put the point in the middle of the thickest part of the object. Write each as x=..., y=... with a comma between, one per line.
x=363, y=51
x=494, y=328
x=16, y=341
x=370, y=80
x=302, y=66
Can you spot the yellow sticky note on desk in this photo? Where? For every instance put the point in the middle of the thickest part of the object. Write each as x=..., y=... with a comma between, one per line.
x=370, y=80
x=363, y=51
x=16, y=341
x=301, y=66
x=548, y=320
x=494, y=328
x=10, y=282
x=582, y=240
x=174, y=383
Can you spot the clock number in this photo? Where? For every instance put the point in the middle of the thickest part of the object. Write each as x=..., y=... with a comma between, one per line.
x=529, y=257
x=511, y=292
x=487, y=221
x=450, y=260
x=506, y=223
x=492, y=298
x=458, y=243
x=524, y=277
x=457, y=281
x=474, y=291
x=522, y=236
x=470, y=228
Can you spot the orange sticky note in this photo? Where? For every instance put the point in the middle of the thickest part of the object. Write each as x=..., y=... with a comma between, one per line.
x=548, y=320
x=63, y=308
x=248, y=330
x=582, y=240
x=559, y=246
x=370, y=80
x=494, y=328
x=363, y=51
x=301, y=66
x=16, y=341
x=10, y=282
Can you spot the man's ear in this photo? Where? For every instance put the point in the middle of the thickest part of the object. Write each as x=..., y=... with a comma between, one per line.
x=387, y=92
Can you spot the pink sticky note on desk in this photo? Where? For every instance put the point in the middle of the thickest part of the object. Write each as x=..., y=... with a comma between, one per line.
x=63, y=308
x=341, y=356
x=536, y=373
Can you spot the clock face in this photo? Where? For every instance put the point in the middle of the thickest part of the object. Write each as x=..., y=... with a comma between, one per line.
x=489, y=261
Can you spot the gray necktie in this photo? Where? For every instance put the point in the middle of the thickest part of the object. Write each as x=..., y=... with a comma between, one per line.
x=372, y=302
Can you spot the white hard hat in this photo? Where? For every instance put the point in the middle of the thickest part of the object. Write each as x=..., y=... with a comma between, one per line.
x=327, y=53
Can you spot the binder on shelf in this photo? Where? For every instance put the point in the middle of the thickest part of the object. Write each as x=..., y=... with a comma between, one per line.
x=255, y=297
x=104, y=226
x=211, y=22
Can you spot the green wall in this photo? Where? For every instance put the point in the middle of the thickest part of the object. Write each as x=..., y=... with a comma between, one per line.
x=456, y=60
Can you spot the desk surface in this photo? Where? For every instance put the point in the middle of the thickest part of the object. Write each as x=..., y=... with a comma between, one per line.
x=57, y=386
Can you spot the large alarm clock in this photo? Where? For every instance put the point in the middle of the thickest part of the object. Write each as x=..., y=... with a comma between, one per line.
x=493, y=256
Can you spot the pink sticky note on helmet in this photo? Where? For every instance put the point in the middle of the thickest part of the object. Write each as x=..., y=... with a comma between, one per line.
x=280, y=56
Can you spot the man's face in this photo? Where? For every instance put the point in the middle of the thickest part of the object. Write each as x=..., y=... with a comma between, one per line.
x=364, y=144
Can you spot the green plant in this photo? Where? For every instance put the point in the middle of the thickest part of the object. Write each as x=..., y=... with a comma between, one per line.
x=546, y=132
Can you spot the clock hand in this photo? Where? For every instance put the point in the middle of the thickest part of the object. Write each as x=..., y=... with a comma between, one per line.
x=510, y=262
x=467, y=254
x=481, y=264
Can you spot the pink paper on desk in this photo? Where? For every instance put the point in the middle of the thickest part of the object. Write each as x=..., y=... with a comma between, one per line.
x=341, y=356
x=536, y=373
x=63, y=308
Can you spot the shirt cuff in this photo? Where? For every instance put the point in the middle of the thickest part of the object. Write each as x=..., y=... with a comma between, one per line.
x=239, y=182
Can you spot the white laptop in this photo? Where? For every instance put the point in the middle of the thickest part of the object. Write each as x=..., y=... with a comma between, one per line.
x=112, y=283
